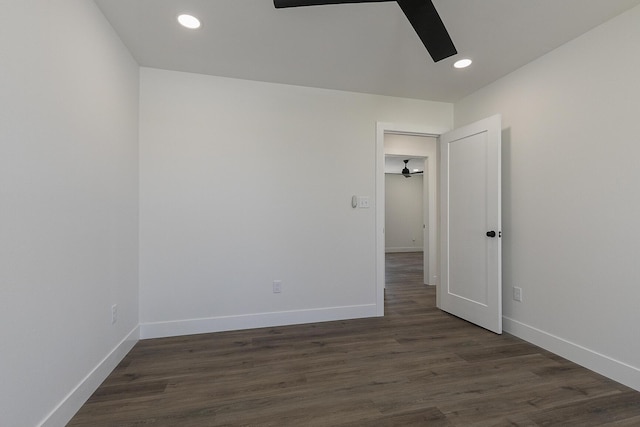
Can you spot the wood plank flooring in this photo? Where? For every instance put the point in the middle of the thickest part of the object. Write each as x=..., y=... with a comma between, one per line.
x=417, y=366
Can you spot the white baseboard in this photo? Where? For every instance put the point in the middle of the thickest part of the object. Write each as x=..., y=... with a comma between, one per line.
x=604, y=365
x=250, y=321
x=407, y=249
x=68, y=407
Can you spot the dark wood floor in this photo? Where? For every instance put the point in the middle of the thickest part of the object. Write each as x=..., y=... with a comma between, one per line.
x=416, y=366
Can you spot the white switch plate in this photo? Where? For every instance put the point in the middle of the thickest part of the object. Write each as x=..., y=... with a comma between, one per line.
x=363, y=202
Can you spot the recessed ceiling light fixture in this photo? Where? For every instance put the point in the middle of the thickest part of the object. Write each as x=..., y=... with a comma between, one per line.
x=463, y=63
x=189, y=21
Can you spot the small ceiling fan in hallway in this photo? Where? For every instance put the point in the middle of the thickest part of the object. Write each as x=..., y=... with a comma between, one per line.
x=406, y=172
x=422, y=15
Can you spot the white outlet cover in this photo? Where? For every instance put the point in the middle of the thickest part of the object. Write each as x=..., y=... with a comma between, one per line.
x=277, y=286
x=517, y=294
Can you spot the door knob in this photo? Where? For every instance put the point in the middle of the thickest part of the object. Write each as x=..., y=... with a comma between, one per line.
x=491, y=233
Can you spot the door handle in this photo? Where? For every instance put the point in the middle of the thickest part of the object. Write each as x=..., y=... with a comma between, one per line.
x=491, y=233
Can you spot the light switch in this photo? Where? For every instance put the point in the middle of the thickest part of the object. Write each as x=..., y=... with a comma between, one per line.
x=363, y=202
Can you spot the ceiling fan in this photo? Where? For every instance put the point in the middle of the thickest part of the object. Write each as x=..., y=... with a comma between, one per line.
x=422, y=15
x=406, y=173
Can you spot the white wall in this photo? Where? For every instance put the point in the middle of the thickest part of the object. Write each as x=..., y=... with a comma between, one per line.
x=403, y=213
x=571, y=201
x=214, y=236
x=68, y=213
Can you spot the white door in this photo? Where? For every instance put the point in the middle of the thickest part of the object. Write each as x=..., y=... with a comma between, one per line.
x=471, y=276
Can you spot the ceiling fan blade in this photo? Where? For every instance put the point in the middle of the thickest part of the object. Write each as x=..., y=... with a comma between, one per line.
x=425, y=20
x=295, y=3
x=422, y=15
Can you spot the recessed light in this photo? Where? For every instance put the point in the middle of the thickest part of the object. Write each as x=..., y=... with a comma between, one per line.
x=189, y=21
x=416, y=170
x=463, y=63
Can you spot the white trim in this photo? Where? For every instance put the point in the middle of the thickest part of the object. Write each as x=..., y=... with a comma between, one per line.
x=597, y=362
x=407, y=249
x=72, y=402
x=379, y=221
x=251, y=321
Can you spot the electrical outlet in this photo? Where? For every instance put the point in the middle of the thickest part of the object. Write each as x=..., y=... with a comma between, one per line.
x=363, y=202
x=277, y=286
x=517, y=294
x=114, y=313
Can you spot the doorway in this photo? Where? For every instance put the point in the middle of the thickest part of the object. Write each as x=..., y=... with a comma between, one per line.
x=408, y=141
x=406, y=206
x=466, y=156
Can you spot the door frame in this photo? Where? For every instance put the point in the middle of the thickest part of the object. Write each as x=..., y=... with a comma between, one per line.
x=383, y=128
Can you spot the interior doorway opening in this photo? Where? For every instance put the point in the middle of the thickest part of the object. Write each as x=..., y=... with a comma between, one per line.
x=400, y=146
x=406, y=141
x=406, y=206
